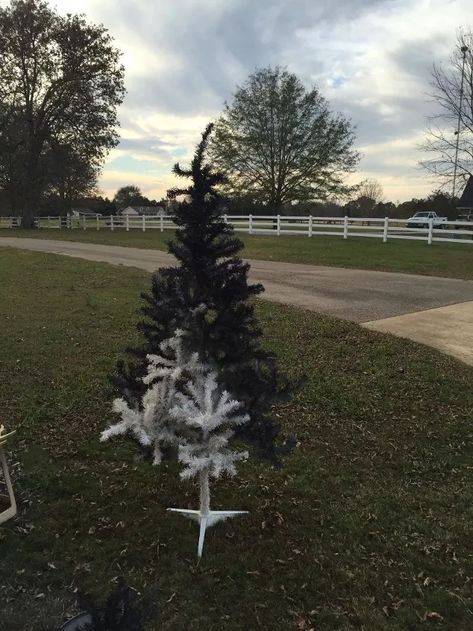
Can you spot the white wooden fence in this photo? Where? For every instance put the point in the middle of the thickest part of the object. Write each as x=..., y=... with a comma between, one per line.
x=345, y=227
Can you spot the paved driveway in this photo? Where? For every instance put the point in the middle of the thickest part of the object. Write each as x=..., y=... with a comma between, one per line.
x=375, y=298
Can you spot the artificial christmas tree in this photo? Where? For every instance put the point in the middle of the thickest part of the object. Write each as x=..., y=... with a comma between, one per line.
x=185, y=408
x=203, y=407
x=206, y=296
x=202, y=379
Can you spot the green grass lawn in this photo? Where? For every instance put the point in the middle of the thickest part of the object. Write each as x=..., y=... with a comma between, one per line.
x=368, y=525
x=414, y=257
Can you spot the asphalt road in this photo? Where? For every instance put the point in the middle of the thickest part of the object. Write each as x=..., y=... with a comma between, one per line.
x=356, y=295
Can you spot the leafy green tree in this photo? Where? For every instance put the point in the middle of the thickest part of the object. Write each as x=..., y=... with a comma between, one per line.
x=61, y=82
x=244, y=205
x=281, y=143
x=385, y=209
x=129, y=196
x=70, y=176
x=442, y=203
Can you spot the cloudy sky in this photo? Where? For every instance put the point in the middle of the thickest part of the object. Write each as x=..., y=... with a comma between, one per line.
x=370, y=58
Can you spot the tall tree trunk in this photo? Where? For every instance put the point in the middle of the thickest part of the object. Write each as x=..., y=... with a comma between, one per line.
x=29, y=204
x=28, y=218
x=31, y=189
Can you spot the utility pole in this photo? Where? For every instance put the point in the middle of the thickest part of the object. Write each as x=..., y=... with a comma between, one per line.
x=464, y=50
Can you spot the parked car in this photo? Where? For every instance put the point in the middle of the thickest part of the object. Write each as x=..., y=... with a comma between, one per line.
x=422, y=220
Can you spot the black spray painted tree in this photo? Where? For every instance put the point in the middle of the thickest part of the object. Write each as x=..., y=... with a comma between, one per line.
x=61, y=82
x=208, y=296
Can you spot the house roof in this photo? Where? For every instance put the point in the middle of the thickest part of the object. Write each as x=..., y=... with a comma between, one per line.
x=466, y=200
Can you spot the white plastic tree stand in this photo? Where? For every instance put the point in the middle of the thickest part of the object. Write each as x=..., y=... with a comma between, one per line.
x=204, y=516
x=9, y=512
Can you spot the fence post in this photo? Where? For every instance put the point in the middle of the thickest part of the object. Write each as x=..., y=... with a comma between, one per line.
x=311, y=227
x=143, y=222
x=111, y=223
x=84, y=222
x=161, y=223
x=430, y=234
x=127, y=221
x=48, y=222
x=345, y=227
x=225, y=218
x=97, y=218
x=385, y=229
x=250, y=224
x=59, y=222
x=278, y=225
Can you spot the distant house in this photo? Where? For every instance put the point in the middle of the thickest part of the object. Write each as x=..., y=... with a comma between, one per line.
x=466, y=200
x=139, y=211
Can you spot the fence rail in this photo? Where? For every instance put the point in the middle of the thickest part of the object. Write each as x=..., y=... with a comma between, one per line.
x=385, y=228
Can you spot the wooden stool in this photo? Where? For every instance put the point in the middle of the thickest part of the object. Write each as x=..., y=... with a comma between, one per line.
x=7, y=502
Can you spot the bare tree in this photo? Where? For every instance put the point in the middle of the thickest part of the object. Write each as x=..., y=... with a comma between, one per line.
x=451, y=86
x=366, y=200
x=372, y=189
